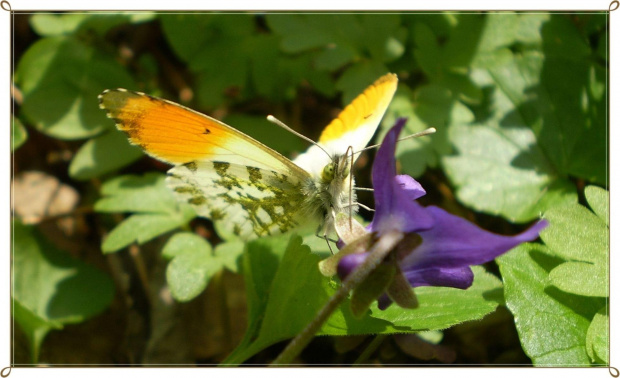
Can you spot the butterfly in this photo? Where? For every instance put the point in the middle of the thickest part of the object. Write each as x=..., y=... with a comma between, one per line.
x=230, y=177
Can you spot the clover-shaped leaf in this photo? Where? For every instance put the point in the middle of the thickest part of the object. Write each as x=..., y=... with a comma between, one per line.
x=191, y=267
x=582, y=238
x=156, y=210
x=552, y=324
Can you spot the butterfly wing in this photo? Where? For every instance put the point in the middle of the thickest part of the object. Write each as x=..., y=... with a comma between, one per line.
x=250, y=201
x=223, y=173
x=354, y=126
x=177, y=135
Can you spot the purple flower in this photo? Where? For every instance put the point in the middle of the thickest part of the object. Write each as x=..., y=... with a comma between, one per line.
x=449, y=245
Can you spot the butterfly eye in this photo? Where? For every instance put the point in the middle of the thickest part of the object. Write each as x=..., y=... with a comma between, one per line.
x=328, y=172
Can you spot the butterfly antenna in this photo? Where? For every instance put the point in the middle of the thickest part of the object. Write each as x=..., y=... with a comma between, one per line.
x=430, y=130
x=273, y=119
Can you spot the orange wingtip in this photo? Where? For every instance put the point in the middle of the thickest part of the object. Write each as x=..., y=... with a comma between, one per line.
x=165, y=130
x=368, y=107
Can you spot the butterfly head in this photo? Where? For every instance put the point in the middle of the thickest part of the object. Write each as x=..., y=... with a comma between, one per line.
x=338, y=169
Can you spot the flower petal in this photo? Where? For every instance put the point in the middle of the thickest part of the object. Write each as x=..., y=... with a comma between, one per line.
x=460, y=278
x=394, y=208
x=348, y=263
x=412, y=188
x=453, y=242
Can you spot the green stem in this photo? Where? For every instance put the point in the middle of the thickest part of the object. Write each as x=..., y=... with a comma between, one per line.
x=370, y=349
x=378, y=252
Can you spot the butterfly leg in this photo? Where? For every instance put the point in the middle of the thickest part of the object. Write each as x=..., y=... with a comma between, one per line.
x=320, y=233
x=360, y=205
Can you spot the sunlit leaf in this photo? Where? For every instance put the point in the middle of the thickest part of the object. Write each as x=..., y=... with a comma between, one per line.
x=293, y=288
x=502, y=171
x=578, y=235
x=597, y=338
x=552, y=325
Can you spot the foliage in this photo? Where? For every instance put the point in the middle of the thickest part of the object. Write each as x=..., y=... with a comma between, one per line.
x=516, y=139
x=155, y=210
x=561, y=290
x=290, y=287
x=52, y=289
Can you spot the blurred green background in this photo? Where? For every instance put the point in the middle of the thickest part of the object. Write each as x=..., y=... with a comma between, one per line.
x=519, y=102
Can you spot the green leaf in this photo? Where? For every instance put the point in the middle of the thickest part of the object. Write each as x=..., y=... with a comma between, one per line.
x=292, y=71
x=597, y=338
x=189, y=33
x=182, y=242
x=51, y=289
x=224, y=232
x=19, y=134
x=375, y=38
x=231, y=249
x=598, y=199
x=229, y=254
x=157, y=210
x=427, y=52
x=141, y=228
x=132, y=193
x=501, y=171
x=103, y=154
x=34, y=327
x=333, y=58
x=383, y=37
x=47, y=24
x=260, y=263
x=302, y=32
x=576, y=234
x=597, y=284
x=440, y=307
x=197, y=39
x=567, y=118
x=552, y=324
x=292, y=288
x=500, y=30
x=459, y=50
x=192, y=266
x=60, y=78
x=505, y=29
